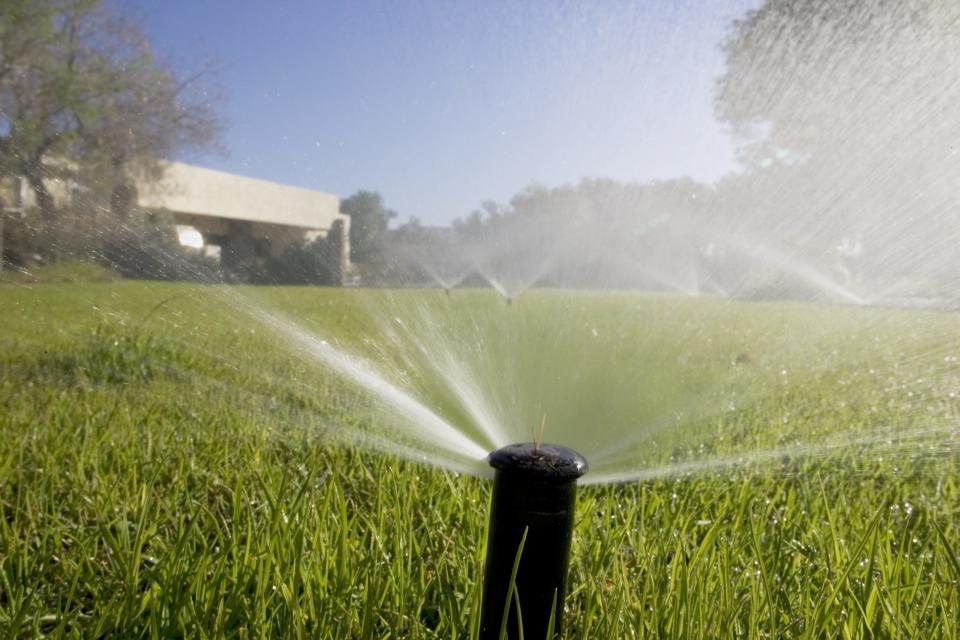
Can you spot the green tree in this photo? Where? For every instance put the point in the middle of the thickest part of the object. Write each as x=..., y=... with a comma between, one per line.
x=846, y=116
x=369, y=221
x=813, y=77
x=82, y=95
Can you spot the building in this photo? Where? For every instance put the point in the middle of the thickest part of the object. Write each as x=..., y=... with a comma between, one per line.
x=246, y=218
x=241, y=219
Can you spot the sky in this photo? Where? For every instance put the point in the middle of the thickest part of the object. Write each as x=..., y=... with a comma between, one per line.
x=443, y=105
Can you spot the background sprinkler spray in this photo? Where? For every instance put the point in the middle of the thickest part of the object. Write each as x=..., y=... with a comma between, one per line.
x=534, y=493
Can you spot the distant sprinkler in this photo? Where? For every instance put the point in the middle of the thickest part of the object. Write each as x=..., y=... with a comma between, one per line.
x=534, y=495
x=509, y=300
x=447, y=290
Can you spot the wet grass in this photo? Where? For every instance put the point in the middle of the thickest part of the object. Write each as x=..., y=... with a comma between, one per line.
x=168, y=471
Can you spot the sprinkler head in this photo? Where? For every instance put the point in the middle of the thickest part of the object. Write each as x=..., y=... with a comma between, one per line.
x=447, y=291
x=534, y=495
x=509, y=300
x=539, y=460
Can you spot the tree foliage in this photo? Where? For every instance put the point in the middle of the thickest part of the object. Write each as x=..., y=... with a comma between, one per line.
x=846, y=112
x=83, y=96
x=369, y=220
x=824, y=75
x=596, y=233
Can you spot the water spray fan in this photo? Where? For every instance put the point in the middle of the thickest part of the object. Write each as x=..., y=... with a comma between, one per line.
x=528, y=547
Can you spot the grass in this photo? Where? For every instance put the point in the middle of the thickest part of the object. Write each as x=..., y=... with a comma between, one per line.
x=68, y=271
x=169, y=469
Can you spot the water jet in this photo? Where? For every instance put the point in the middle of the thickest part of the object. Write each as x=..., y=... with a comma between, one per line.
x=528, y=545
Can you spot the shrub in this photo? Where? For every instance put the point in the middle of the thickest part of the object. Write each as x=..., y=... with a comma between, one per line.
x=303, y=263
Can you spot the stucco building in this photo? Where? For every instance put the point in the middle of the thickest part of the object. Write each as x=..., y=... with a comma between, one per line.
x=242, y=219
x=247, y=218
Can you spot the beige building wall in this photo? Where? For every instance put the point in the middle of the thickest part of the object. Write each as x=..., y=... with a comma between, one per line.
x=220, y=205
x=190, y=190
x=195, y=192
x=251, y=219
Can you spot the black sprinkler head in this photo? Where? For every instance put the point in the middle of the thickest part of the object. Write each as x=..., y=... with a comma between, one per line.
x=534, y=495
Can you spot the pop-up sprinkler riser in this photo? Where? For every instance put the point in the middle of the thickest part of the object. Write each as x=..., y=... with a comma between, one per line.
x=534, y=495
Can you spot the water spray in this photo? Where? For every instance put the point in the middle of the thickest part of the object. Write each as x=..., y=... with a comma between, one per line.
x=528, y=547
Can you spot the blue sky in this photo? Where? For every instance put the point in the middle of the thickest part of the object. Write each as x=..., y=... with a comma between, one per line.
x=442, y=105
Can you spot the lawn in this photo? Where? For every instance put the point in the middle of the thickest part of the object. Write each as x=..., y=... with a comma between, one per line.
x=173, y=466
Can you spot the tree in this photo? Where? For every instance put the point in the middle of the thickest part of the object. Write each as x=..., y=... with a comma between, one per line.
x=597, y=233
x=369, y=220
x=809, y=77
x=82, y=95
x=846, y=112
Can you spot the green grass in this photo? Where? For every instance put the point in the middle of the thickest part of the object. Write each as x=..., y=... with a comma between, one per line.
x=69, y=271
x=169, y=468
